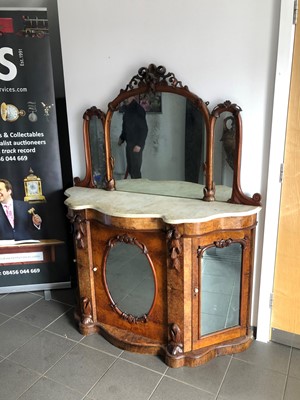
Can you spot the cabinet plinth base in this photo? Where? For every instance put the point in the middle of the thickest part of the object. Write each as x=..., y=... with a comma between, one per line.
x=203, y=355
x=128, y=341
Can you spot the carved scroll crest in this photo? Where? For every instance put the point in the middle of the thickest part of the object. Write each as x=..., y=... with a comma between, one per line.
x=153, y=75
x=175, y=345
x=175, y=248
x=128, y=240
x=222, y=243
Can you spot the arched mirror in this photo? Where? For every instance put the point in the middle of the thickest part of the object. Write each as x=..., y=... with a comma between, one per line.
x=220, y=267
x=129, y=278
x=173, y=123
x=160, y=138
x=224, y=150
x=94, y=145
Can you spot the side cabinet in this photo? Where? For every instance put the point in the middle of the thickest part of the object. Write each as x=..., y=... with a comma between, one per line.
x=182, y=291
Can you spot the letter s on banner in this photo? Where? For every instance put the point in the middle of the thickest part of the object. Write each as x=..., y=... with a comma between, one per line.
x=12, y=69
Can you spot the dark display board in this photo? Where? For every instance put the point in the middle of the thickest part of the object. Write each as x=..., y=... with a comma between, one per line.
x=34, y=150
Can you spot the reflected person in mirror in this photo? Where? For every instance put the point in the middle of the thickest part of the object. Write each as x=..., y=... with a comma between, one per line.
x=17, y=221
x=134, y=133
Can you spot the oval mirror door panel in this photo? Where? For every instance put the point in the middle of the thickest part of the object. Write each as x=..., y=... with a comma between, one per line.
x=130, y=280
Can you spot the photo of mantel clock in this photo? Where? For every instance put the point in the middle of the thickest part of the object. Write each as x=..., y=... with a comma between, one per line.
x=33, y=189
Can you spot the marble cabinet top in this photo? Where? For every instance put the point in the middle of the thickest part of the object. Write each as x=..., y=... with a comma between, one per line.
x=172, y=210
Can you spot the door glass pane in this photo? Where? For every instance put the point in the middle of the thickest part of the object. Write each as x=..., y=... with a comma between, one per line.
x=129, y=279
x=220, y=288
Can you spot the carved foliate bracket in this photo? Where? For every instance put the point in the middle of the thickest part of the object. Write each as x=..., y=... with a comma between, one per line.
x=86, y=311
x=175, y=345
x=175, y=248
x=79, y=229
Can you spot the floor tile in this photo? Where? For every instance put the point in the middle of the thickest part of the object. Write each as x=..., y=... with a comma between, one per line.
x=170, y=389
x=66, y=296
x=43, y=313
x=154, y=363
x=42, y=352
x=245, y=381
x=14, y=303
x=295, y=364
x=81, y=368
x=125, y=381
x=46, y=389
x=3, y=318
x=207, y=377
x=98, y=342
x=66, y=326
x=267, y=355
x=14, y=380
x=292, y=391
x=13, y=334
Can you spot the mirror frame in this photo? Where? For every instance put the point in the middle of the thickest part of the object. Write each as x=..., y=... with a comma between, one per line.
x=157, y=79
x=151, y=79
x=128, y=240
x=88, y=181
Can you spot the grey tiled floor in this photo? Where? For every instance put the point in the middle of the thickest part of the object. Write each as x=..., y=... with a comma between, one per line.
x=43, y=357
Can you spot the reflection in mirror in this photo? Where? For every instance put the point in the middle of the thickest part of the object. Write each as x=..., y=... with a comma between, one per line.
x=220, y=288
x=97, y=149
x=130, y=280
x=224, y=150
x=175, y=143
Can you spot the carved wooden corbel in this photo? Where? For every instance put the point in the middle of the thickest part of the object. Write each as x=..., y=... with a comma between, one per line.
x=175, y=345
x=175, y=248
x=86, y=311
x=79, y=230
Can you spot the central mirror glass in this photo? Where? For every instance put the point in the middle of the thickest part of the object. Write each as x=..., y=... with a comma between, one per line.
x=220, y=288
x=174, y=148
x=130, y=279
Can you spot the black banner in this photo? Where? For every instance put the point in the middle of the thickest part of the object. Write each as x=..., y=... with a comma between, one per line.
x=30, y=157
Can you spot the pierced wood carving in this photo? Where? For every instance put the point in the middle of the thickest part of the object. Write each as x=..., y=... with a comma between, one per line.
x=220, y=244
x=175, y=248
x=153, y=75
x=86, y=311
x=175, y=345
x=128, y=240
x=132, y=319
x=223, y=243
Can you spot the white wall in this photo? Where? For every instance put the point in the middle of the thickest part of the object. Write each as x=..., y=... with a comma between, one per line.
x=220, y=49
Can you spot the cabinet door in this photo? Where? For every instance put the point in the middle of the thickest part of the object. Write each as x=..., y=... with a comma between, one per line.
x=130, y=280
x=221, y=288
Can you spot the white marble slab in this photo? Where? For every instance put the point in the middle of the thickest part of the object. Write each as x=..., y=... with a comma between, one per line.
x=172, y=210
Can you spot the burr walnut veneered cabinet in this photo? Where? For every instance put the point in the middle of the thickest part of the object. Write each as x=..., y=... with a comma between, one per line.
x=165, y=261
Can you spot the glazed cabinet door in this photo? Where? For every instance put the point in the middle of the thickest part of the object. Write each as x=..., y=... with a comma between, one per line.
x=222, y=268
x=130, y=282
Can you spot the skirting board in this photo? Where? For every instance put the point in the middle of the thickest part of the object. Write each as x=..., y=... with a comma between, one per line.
x=287, y=338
